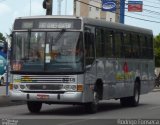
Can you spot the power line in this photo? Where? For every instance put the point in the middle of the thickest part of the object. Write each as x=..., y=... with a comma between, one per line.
x=144, y=15
x=152, y=2
x=155, y=12
x=158, y=13
x=151, y=6
x=143, y=5
x=120, y=14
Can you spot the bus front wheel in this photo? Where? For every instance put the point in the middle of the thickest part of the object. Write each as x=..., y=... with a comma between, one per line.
x=92, y=107
x=133, y=100
x=34, y=107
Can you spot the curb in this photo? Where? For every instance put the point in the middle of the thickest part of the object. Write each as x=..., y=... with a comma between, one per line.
x=156, y=90
x=5, y=101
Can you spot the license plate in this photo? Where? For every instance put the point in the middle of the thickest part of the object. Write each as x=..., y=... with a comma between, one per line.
x=42, y=96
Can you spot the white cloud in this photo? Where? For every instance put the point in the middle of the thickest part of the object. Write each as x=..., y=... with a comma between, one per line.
x=4, y=9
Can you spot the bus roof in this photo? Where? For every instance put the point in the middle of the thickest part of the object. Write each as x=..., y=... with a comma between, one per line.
x=97, y=22
x=49, y=16
x=118, y=26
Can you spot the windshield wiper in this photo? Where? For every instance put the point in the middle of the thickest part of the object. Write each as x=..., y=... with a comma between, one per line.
x=59, y=35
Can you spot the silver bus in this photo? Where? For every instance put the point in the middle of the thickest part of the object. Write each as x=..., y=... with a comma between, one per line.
x=75, y=60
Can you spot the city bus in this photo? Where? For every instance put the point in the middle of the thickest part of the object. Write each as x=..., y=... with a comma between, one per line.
x=79, y=60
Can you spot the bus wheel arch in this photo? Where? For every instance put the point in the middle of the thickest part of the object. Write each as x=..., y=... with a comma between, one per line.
x=98, y=87
x=92, y=107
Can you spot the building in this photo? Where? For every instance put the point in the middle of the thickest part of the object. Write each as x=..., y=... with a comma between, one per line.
x=92, y=9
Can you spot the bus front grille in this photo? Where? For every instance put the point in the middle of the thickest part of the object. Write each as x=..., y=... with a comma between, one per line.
x=48, y=79
x=50, y=92
x=44, y=87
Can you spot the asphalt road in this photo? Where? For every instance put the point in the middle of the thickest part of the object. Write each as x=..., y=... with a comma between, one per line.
x=110, y=113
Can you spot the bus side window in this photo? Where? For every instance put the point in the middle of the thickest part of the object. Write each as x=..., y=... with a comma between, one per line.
x=117, y=44
x=127, y=45
x=89, y=48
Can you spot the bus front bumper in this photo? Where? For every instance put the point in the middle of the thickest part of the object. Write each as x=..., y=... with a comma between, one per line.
x=67, y=97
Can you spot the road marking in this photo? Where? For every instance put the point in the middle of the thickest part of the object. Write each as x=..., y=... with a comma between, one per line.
x=73, y=122
x=155, y=107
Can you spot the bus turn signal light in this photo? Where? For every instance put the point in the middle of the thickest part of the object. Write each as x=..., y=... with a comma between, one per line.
x=11, y=86
x=80, y=88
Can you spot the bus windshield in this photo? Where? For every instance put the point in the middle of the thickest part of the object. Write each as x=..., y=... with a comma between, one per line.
x=47, y=52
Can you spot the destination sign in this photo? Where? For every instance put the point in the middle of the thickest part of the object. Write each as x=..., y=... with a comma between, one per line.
x=45, y=23
x=55, y=25
x=27, y=25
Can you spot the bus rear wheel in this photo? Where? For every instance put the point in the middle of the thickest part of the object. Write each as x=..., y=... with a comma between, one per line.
x=92, y=107
x=133, y=100
x=34, y=107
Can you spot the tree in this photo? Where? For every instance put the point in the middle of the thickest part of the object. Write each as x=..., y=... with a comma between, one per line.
x=157, y=50
x=2, y=37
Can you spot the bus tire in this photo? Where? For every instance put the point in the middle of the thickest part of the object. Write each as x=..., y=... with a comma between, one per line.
x=133, y=100
x=92, y=107
x=34, y=107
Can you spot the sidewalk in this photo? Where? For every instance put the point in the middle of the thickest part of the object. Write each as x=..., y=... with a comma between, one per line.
x=5, y=101
x=156, y=89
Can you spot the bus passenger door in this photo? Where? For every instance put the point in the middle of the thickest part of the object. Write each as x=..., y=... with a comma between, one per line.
x=90, y=64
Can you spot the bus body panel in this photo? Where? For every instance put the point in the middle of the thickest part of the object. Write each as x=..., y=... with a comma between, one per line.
x=117, y=82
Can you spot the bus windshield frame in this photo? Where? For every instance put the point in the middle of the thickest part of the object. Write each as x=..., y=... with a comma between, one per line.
x=47, y=52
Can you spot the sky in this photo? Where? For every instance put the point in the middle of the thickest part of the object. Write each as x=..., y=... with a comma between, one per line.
x=11, y=9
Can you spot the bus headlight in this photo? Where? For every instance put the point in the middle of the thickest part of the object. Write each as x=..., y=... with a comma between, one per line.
x=11, y=86
x=15, y=86
x=70, y=87
x=22, y=86
x=73, y=87
x=66, y=87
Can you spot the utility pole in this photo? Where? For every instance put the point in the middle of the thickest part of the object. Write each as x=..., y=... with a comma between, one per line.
x=122, y=11
x=47, y=4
